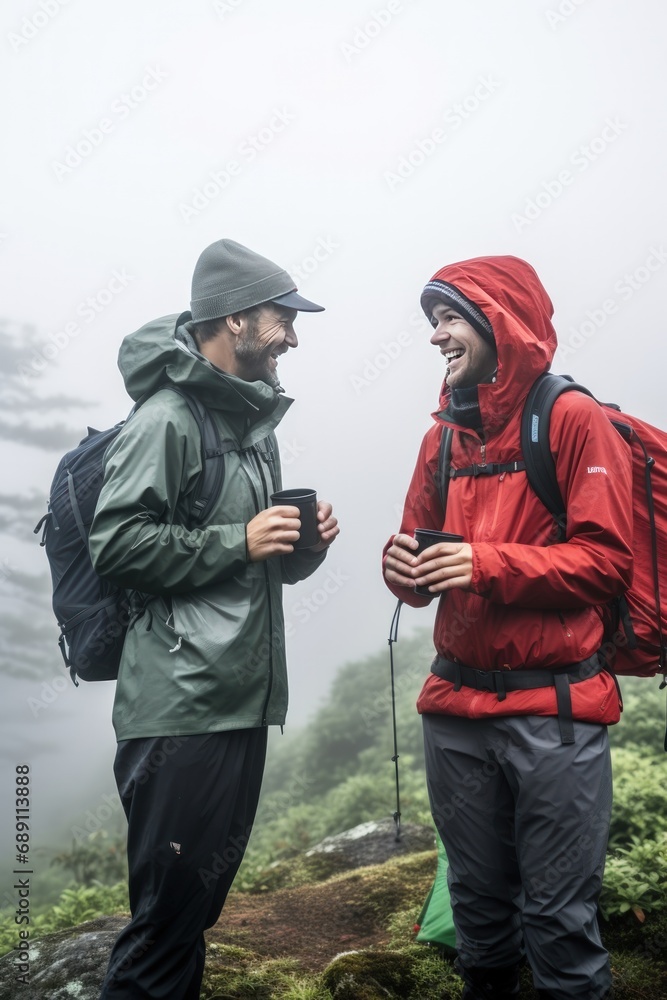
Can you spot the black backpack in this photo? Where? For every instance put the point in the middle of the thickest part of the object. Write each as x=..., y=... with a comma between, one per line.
x=94, y=614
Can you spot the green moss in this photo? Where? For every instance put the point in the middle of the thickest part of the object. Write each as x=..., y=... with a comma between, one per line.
x=236, y=973
x=368, y=975
x=394, y=886
x=289, y=874
x=434, y=976
x=320, y=868
x=387, y=889
x=376, y=892
x=401, y=927
x=305, y=989
x=627, y=933
x=635, y=977
x=415, y=973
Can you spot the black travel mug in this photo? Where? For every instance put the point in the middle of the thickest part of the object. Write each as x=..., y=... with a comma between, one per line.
x=306, y=501
x=426, y=537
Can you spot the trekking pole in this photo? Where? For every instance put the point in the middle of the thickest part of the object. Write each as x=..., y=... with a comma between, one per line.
x=393, y=637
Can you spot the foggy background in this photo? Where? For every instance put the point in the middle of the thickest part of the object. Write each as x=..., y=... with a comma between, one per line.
x=360, y=145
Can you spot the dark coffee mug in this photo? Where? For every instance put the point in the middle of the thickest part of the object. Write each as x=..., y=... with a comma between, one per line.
x=426, y=537
x=306, y=501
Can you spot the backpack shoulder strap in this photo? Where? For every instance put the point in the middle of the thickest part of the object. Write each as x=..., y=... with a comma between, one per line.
x=535, y=446
x=444, y=464
x=213, y=450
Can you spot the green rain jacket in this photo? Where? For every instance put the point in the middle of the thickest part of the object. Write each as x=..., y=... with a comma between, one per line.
x=208, y=652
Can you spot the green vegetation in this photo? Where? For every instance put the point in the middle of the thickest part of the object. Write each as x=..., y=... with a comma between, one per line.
x=99, y=859
x=75, y=905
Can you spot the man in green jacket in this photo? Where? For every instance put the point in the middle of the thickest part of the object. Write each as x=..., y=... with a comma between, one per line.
x=203, y=670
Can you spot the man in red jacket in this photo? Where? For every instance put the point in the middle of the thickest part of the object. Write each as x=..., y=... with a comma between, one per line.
x=516, y=707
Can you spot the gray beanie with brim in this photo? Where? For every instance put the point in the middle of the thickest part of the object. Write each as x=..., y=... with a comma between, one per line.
x=229, y=278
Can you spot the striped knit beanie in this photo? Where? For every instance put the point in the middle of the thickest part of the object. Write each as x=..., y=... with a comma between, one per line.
x=441, y=291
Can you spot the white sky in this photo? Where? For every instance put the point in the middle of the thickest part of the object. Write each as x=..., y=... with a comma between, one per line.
x=544, y=92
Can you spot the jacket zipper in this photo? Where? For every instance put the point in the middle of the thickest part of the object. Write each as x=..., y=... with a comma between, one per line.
x=262, y=477
x=501, y=479
x=266, y=575
x=258, y=463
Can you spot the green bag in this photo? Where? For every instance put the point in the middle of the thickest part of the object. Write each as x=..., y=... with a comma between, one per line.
x=435, y=924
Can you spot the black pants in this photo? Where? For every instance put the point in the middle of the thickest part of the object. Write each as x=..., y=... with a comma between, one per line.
x=190, y=803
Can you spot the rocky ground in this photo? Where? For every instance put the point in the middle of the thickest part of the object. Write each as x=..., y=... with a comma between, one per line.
x=324, y=928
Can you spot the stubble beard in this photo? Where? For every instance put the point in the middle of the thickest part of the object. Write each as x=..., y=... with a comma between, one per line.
x=253, y=358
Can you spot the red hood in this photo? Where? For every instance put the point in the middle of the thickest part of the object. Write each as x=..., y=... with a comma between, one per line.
x=516, y=304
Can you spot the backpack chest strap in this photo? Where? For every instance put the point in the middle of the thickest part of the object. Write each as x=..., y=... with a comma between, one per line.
x=487, y=469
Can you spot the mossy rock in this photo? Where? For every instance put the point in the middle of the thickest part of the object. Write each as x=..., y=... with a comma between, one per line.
x=294, y=873
x=374, y=843
x=366, y=975
x=414, y=973
x=383, y=889
x=387, y=889
x=69, y=963
x=364, y=846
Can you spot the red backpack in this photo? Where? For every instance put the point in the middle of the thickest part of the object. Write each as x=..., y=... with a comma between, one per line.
x=636, y=625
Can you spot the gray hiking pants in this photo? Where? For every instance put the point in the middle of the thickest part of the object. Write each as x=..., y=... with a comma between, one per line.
x=524, y=819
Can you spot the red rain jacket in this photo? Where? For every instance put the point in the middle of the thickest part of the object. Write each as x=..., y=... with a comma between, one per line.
x=533, y=601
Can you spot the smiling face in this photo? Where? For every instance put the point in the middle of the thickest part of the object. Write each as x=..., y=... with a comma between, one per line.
x=269, y=332
x=470, y=359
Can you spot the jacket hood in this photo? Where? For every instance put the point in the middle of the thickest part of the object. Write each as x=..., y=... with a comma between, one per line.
x=513, y=299
x=164, y=351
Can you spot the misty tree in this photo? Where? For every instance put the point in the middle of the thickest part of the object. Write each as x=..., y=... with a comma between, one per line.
x=30, y=419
